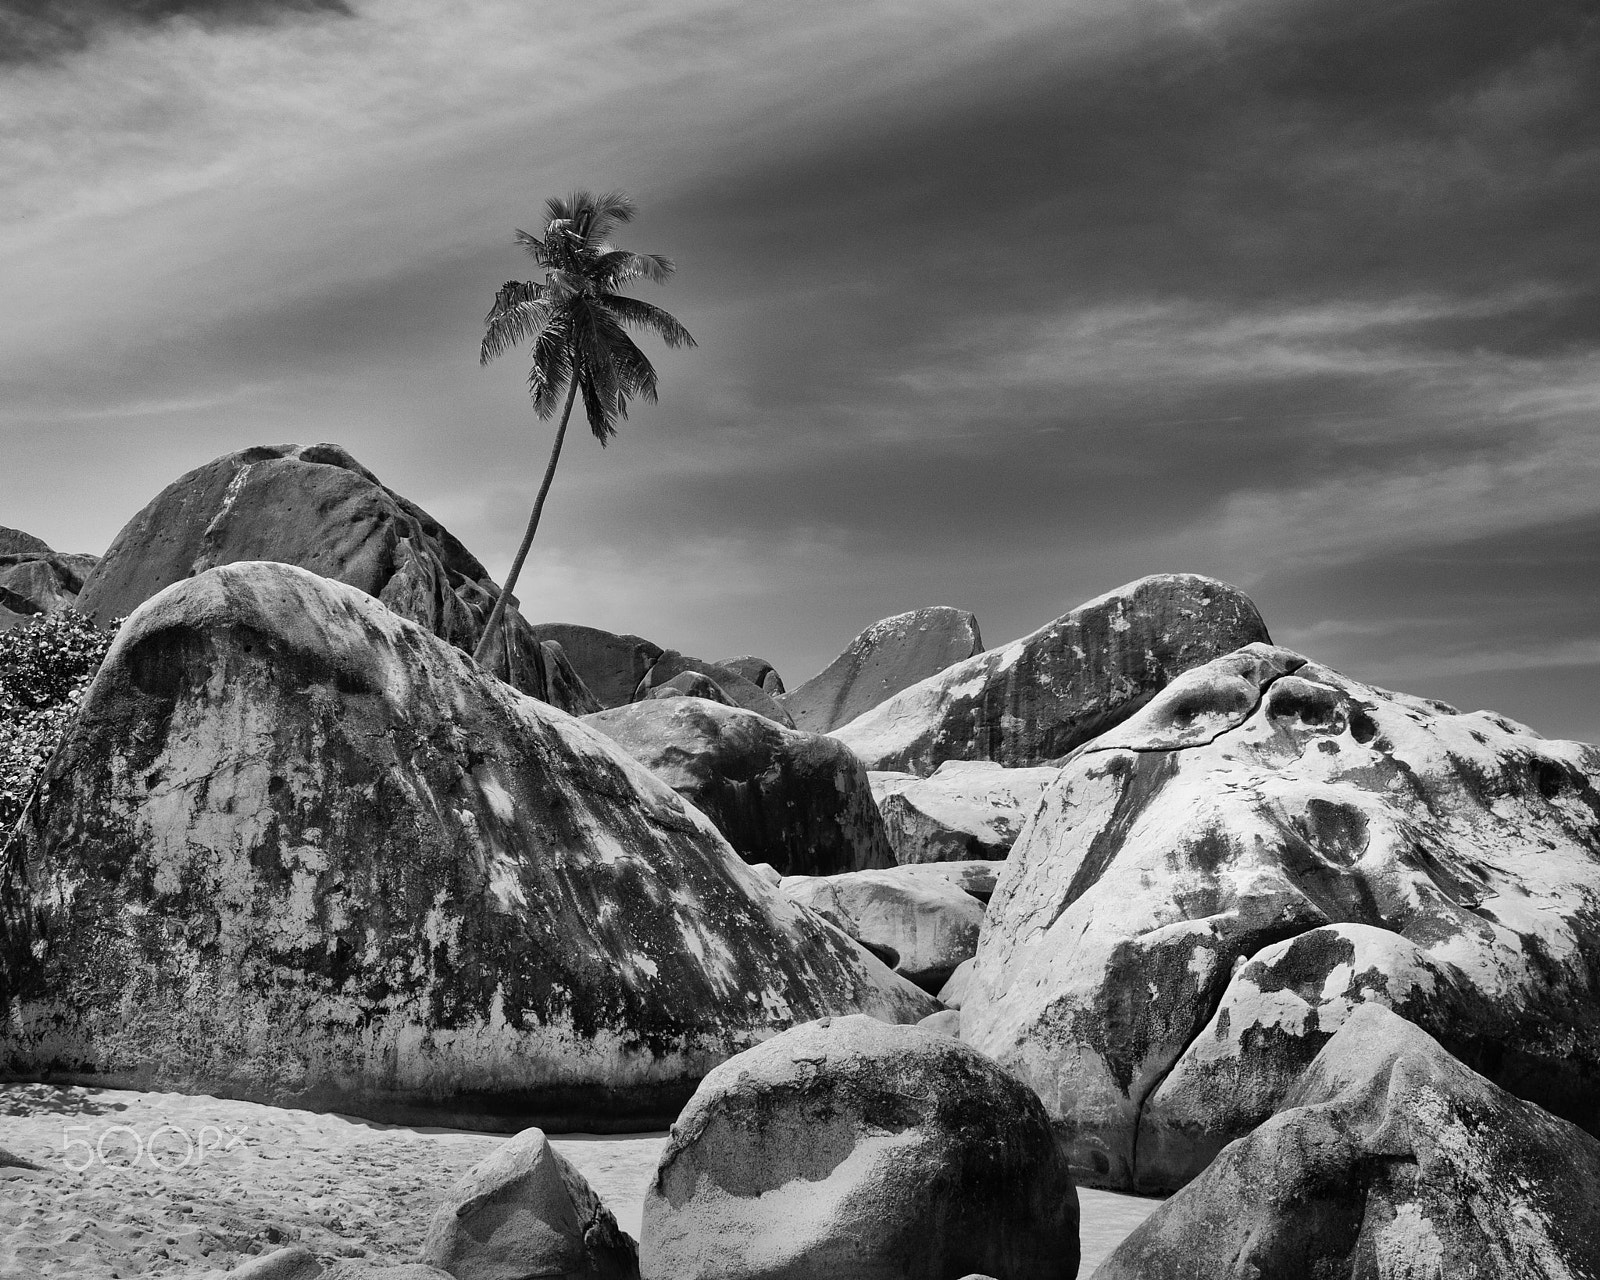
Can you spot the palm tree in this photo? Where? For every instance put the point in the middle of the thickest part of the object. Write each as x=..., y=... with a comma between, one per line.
x=576, y=319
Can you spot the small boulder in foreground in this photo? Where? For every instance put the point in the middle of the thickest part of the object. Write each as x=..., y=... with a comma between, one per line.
x=525, y=1212
x=851, y=1148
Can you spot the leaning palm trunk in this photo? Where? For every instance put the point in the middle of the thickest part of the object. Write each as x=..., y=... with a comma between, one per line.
x=497, y=614
x=576, y=320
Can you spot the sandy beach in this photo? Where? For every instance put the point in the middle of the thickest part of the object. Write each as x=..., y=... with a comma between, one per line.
x=165, y=1184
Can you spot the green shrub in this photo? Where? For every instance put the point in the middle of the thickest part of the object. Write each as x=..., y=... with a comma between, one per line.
x=45, y=665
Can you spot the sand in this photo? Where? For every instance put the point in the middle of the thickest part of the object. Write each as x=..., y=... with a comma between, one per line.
x=228, y=1180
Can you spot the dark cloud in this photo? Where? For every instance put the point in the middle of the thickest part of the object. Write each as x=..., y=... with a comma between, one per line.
x=40, y=30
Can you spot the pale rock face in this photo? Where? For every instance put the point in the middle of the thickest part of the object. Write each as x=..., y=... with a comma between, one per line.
x=965, y=809
x=799, y=801
x=928, y=922
x=1036, y=699
x=296, y=849
x=848, y=1148
x=524, y=1212
x=318, y=508
x=887, y=657
x=1209, y=890
x=1389, y=1158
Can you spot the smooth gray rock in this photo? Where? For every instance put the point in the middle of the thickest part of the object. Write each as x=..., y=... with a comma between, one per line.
x=610, y=665
x=524, y=1212
x=799, y=801
x=735, y=688
x=318, y=857
x=758, y=671
x=1036, y=699
x=954, y=992
x=1211, y=888
x=692, y=684
x=294, y=1262
x=850, y=1148
x=1390, y=1158
x=888, y=656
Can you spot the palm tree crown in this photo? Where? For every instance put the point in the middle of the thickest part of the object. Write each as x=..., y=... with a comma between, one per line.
x=577, y=322
x=575, y=316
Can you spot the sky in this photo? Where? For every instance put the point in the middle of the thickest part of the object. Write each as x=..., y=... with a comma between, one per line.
x=997, y=305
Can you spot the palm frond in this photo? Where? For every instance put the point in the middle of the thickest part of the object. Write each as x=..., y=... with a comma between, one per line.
x=614, y=268
x=644, y=315
x=551, y=365
x=636, y=376
x=532, y=244
x=518, y=313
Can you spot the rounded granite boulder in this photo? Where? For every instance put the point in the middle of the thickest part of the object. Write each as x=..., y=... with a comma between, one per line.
x=850, y=1148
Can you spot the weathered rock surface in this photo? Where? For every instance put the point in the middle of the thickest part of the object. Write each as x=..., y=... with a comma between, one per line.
x=799, y=801
x=1039, y=697
x=758, y=671
x=1209, y=889
x=928, y=922
x=298, y=850
x=888, y=656
x=320, y=509
x=964, y=809
x=34, y=579
x=848, y=1148
x=1390, y=1158
x=740, y=692
x=610, y=665
x=976, y=876
x=525, y=1212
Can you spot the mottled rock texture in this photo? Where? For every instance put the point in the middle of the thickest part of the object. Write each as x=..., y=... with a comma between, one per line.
x=34, y=579
x=320, y=509
x=848, y=1148
x=964, y=809
x=297, y=849
x=740, y=692
x=524, y=1212
x=888, y=656
x=1209, y=889
x=799, y=801
x=1390, y=1158
x=928, y=923
x=1039, y=697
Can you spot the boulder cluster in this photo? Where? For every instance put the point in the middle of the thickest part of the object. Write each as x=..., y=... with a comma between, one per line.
x=903, y=954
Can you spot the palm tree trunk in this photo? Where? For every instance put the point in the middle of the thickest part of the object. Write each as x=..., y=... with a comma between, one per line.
x=486, y=641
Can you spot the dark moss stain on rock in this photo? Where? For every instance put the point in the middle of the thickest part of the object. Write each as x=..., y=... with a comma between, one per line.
x=1140, y=776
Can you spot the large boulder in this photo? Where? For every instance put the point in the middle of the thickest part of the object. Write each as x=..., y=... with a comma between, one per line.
x=320, y=509
x=964, y=809
x=296, y=849
x=888, y=656
x=739, y=691
x=799, y=801
x=34, y=579
x=928, y=923
x=1208, y=890
x=1390, y=1158
x=610, y=665
x=848, y=1148
x=524, y=1212
x=1038, y=698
